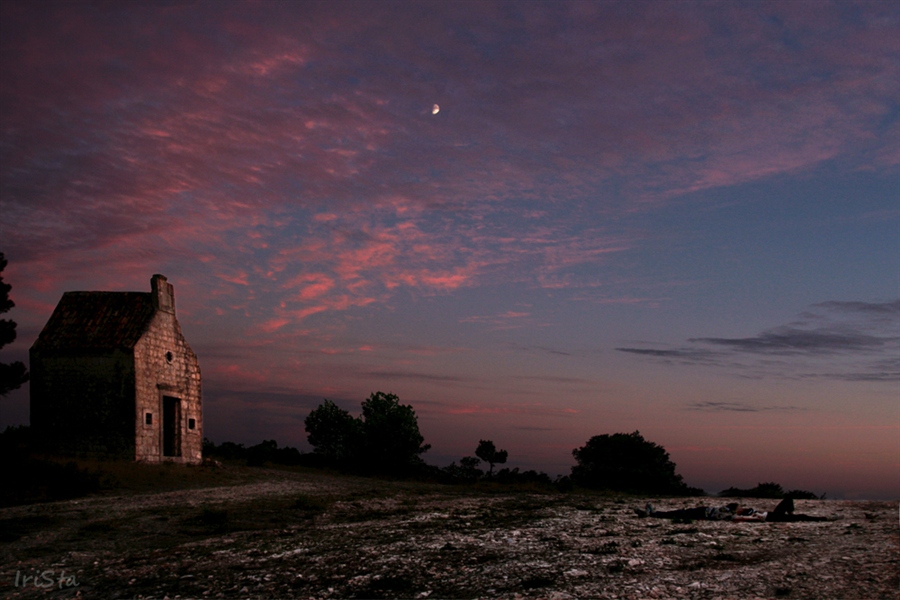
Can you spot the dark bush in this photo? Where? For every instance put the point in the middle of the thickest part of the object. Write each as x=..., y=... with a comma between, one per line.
x=514, y=476
x=564, y=483
x=224, y=451
x=256, y=456
x=768, y=490
x=261, y=453
x=626, y=462
x=762, y=490
x=466, y=471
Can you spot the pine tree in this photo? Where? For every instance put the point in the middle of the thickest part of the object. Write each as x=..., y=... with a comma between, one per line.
x=13, y=375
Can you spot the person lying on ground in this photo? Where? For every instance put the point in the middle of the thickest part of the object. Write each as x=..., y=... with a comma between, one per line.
x=783, y=513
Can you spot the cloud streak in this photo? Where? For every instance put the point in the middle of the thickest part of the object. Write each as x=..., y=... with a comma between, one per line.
x=739, y=407
x=789, y=340
x=864, y=335
x=591, y=169
x=258, y=123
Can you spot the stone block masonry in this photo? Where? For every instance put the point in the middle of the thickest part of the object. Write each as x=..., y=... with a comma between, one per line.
x=166, y=367
x=112, y=374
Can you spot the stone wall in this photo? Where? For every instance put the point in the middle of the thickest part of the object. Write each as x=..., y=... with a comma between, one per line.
x=142, y=403
x=84, y=403
x=166, y=366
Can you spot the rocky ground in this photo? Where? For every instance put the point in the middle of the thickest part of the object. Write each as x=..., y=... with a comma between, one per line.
x=308, y=535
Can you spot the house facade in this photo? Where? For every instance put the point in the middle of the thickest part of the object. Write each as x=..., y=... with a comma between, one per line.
x=112, y=375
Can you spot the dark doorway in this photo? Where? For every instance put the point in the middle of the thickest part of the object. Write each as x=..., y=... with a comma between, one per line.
x=171, y=426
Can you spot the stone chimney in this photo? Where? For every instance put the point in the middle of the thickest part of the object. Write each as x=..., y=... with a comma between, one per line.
x=163, y=294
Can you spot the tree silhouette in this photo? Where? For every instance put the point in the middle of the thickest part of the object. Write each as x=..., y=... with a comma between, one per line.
x=12, y=375
x=384, y=439
x=391, y=439
x=627, y=462
x=333, y=434
x=487, y=452
x=466, y=471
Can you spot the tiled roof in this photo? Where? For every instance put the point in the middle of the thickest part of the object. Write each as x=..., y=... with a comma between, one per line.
x=97, y=321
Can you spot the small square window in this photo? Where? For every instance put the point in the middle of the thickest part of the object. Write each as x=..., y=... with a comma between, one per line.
x=191, y=423
x=148, y=419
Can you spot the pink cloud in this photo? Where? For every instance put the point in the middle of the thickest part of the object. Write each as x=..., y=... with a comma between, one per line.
x=524, y=409
x=234, y=373
x=283, y=169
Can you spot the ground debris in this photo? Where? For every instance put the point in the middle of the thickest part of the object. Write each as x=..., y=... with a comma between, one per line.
x=315, y=536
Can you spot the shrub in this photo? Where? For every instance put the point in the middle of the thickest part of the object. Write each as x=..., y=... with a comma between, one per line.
x=626, y=462
x=769, y=490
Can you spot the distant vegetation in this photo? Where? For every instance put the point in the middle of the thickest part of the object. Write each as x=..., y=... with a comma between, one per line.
x=383, y=441
x=769, y=490
x=12, y=375
x=256, y=456
x=467, y=471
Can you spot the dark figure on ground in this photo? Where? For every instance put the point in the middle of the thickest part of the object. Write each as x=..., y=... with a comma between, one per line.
x=783, y=513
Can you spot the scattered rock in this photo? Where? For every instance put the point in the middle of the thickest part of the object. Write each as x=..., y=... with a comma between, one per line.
x=372, y=538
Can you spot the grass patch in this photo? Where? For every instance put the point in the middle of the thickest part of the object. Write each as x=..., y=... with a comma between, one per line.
x=263, y=514
x=208, y=521
x=12, y=530
x=31, y=481
x=98, y=527
x=309, y=505
x=386, y=587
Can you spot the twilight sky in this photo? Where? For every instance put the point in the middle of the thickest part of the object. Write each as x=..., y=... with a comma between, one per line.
x=679, y=218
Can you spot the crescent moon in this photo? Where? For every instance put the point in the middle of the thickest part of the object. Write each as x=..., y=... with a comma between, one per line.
x=435, y=109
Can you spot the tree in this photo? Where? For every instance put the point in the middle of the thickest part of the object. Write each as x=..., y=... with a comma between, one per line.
x=390, y=432
x=333, y=434
x=626, y=462
x=487, y=452
x=12, y=375
x=384, y=439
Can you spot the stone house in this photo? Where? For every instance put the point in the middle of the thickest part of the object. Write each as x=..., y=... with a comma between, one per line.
x=111, y=374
